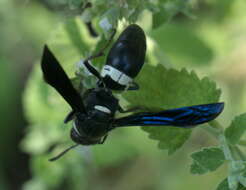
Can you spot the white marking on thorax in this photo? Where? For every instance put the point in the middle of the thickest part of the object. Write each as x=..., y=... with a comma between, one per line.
x=102, y=109
x=116, y=75
x=75, y=128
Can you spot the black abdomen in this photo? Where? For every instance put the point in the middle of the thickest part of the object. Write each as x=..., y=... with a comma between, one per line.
x=128, y=52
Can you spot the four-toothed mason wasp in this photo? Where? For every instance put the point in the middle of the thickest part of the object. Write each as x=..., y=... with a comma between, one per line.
x=93, y=114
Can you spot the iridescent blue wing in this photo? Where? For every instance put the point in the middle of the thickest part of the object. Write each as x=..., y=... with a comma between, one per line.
x=180, y=117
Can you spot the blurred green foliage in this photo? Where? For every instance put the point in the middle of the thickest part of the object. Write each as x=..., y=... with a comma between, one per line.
x=205, y=36
x=182, y=44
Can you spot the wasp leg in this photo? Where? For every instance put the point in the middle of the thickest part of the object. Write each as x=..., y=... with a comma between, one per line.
x=133, y=86
x=139, y=109
x=103, y=140
x=69, y=117
x=133, y=109
x=92, y=70
x=100, y=53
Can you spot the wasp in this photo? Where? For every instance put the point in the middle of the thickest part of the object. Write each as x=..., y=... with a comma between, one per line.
x=93, y=113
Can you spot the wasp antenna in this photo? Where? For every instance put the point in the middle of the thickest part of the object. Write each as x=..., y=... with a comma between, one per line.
x=62, y=153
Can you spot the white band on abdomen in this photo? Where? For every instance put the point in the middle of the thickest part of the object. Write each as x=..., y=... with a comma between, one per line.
x=116, y=75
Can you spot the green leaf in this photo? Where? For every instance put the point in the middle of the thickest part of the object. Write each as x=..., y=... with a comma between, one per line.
x=75, y=4
x=225, y=186
x=168, y=9
x=160, y=18
x=66, y=7
x=207, y=160
x=170, y=139
x=236, y=179
x=163, y=88
x=236, y=174
x=237, y=128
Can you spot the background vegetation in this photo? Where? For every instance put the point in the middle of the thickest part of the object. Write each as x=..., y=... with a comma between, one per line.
x=196, y=54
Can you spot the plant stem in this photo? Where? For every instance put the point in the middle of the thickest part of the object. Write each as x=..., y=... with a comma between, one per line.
x=225, y=147
x=214, y=128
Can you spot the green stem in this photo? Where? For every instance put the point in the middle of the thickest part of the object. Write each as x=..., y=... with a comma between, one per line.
x=225, y=147
x=214, y=128
x=217, y=130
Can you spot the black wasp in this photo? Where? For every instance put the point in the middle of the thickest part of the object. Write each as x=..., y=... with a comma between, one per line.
x=93, y=114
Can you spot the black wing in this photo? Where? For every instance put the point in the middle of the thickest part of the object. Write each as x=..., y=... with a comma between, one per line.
x=55, y=76
x=180, y=117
